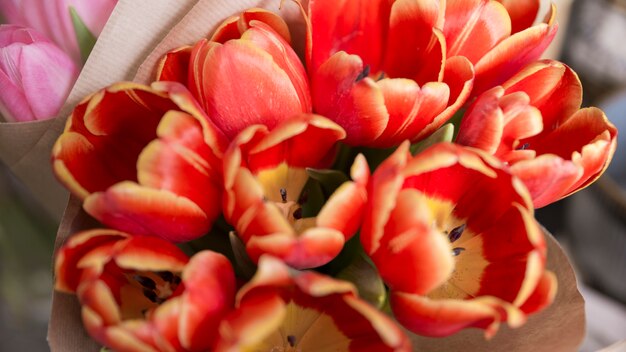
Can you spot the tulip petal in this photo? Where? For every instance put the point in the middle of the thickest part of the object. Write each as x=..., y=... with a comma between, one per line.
x=356, y=105
x=552, y=87
x=543, y=295
x=355, y=27
x=546, y=177
x=522, y=13
x=67, y=273
x=174, y=66
x=411, y=238
x=415, y=49
x=511, y=54
x=176, y=163
x=47, y=75
x=443, y=317
x=209, y=294
x=141, y=210
x=474, y=27
x=270, y=95
x=410, y=108
x=235, y=26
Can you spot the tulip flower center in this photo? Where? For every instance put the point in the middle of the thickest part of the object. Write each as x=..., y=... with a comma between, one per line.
x=283, y=187
x=465, y=246
x=146, y=290
x=304, y=329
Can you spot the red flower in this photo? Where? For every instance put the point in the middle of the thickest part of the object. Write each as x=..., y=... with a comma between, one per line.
x=496, y=36
x=246, y=74
x=379, y=69
x=283, y=310
x=534, y=123
x=144, y=159
x=462, y=230
x=143, y=294
x=265, y=174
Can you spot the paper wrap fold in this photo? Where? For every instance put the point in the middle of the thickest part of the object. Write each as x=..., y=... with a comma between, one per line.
x=138, y=33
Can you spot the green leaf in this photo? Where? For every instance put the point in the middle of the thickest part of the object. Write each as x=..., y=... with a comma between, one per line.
x=443, y=134
x=244, y=266
x=86, y=40
x=362, y=273
x=330, y=180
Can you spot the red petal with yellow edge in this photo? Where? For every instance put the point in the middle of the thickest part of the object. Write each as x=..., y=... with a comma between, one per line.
x=66, y=271
x=410, y=238
x=313, y=248
x=552, y=87
x=264, y=37
x=388, y=181
x=275, y=89
x=482, y=125
x=496, y=124
x=356, y=27
x=410, y=108
x=291, y=143
x=167, y=325
x=357, y=105
x=543, y=295
x=512, y=54
x=177, y=162
x=209, y=295
x=440, y=318
x=142, y=253
x=517, y=258
x=174, y=66
x=414, y=49
x=146, y=211
x=235, y=26
x=547, y=177
x=105, y=135
x=474, y=27
x=306, y=311
x=522, y=13
x=345, y=208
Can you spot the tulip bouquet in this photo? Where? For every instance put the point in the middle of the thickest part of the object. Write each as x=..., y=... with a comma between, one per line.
x=338, y=176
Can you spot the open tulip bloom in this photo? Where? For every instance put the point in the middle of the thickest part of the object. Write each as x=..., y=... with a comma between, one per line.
x=270, y=161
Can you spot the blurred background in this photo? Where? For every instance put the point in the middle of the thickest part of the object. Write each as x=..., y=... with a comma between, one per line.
x=591, y=224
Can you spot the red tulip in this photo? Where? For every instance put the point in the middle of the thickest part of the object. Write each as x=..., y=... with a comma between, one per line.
x=265, y=174
x=35, y=75
x=534, y=123
x=496, y=36
x=143, y=293
x=144, y=159
x=283, y=310
x=379, y=69
x=462, y=230
x=246, y=74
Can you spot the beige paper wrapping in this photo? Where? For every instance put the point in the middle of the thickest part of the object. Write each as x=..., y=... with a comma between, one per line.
x=138, y=30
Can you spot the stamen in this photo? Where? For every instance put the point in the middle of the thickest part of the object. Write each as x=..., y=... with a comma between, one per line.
x=297, y=214
x=524, y=146
x=167, y=276
x=363, y=74
x=283, y=195
x=456, y=233
x=145, y=282
x=381, y=76
x=291, y=340
x=456, y=251
x=151, y=295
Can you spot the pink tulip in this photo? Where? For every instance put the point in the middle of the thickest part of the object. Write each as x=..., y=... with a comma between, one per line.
x=53, y=19
x=35, y=75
